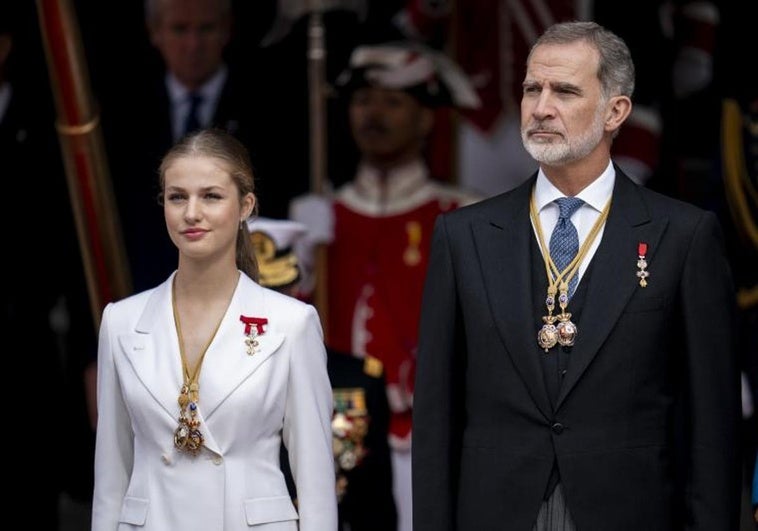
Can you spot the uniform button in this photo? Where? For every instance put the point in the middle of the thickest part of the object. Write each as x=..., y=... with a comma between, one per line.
x=557, y=428
x=217, y=460
x=166, y=459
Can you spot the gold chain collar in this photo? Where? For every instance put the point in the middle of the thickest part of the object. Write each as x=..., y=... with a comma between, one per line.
x=565, y=332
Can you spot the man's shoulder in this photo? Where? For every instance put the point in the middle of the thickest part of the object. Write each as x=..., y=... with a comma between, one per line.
x=675, y=210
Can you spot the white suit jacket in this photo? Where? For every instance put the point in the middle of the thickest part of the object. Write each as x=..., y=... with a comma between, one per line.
x=247, y=406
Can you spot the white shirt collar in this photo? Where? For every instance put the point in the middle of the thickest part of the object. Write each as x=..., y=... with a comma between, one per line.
x=179, y=97
x=595, y=195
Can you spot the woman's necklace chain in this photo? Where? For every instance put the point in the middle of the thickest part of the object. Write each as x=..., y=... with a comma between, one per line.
x=187, y=436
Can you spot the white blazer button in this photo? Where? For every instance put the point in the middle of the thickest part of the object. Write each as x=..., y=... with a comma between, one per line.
x=217, y=460
x=166, y=459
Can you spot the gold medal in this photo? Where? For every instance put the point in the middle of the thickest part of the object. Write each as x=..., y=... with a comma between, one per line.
x=565, y=332
x=194, y=441
x=547, y=336
x=181, y=434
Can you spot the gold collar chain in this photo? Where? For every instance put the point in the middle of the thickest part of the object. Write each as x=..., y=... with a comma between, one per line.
x=565, y=332
x=187, y=436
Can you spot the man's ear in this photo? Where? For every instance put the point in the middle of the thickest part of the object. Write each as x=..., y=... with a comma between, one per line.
x=619, y=109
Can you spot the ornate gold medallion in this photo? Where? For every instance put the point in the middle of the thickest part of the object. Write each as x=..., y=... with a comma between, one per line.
x=187, y=436
x=547, y=336
x=567, y=330
x=563, y=333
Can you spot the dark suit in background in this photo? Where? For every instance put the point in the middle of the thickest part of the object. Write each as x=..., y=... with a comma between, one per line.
x=134, y=167
x=193, y=42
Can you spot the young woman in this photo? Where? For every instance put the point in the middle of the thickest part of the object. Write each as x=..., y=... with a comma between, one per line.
x=203, y=377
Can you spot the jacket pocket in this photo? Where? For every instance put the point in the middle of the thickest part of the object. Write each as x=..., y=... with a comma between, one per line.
x=134, y=511
x=267, y=510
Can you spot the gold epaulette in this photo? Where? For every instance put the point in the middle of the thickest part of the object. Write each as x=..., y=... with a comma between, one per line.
x=372, y=366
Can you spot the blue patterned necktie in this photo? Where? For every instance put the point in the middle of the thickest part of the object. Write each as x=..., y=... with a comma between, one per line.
x=564, y=242
x=192, y=121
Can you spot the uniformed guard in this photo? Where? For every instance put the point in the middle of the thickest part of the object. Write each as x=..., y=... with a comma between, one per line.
x=378, y=226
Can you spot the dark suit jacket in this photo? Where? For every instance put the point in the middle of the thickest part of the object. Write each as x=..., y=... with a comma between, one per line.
x=644, y=427
x=137, y=130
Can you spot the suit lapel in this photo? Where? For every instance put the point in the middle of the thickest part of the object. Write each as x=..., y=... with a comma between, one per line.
x=613, y=279
x=153, y=350
x=227, y=363
x=508, y=282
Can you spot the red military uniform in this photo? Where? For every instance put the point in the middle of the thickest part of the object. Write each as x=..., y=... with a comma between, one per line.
x=377, y=263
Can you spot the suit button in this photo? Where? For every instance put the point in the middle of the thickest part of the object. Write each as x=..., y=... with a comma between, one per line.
x=217, y=460
x=166, y=459
x=557, y=428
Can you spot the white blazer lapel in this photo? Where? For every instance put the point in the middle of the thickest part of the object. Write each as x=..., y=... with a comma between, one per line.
x=153, y=350
x=227, y=363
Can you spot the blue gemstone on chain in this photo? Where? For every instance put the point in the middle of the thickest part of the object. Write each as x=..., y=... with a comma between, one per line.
x=193, y=406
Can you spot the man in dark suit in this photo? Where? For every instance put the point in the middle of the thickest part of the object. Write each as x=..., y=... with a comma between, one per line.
x=195, y=82
x=361, y=419
x=577, y=370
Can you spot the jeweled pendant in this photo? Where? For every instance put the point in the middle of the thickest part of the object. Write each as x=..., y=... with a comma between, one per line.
x=251, y=343
x=181, y=435
x=548, y=334
x=194, y=441
x=566, y=330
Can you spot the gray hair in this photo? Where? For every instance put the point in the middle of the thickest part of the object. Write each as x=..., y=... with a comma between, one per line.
x=616, y=68
x=154, y=8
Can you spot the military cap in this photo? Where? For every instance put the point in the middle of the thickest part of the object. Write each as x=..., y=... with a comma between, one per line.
x=429, y=75
x=273, y=241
